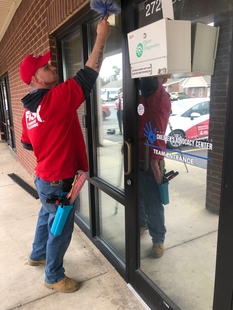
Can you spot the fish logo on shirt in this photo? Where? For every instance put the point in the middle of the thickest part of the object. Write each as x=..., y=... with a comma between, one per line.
x=33, y=118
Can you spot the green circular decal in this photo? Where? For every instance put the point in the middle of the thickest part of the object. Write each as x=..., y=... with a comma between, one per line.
x=139, y=50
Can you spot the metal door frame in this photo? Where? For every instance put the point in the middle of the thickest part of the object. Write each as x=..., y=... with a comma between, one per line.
x=5, y=115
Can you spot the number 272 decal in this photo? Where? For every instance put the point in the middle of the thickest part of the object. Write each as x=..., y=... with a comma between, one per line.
x=155, y=6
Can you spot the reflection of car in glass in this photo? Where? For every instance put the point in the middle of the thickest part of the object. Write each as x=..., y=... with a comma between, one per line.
x=105, y=111
x=178, y=95
x=113, y=94
x=109, y=94
x=189, y=120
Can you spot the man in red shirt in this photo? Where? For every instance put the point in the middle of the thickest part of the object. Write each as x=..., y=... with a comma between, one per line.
x=118, y=105
x=51, y=129
x=156, y=106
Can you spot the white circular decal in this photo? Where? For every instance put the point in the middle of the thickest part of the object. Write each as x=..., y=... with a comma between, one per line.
x=141, y=109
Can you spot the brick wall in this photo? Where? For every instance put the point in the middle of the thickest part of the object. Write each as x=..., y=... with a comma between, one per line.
x=218, y=109
x=29, y=33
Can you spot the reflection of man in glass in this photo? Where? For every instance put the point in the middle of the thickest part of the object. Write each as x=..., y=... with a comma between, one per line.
x=119, y=107
x=156, y=108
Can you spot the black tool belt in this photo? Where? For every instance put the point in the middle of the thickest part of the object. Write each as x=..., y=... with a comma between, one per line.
x=66, y=187
x=65, y=183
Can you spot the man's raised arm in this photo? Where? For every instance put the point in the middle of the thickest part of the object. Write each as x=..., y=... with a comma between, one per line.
x=96, y=58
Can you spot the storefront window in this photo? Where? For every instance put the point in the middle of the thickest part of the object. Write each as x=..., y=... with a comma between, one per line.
x=110, y=118
x=71, y=63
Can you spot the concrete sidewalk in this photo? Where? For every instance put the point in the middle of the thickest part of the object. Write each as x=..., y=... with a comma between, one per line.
x=21, y=285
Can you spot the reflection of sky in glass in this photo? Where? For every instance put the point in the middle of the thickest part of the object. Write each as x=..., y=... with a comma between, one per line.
x=108, y=63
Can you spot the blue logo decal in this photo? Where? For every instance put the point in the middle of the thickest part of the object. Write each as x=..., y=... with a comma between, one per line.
x=150, y=134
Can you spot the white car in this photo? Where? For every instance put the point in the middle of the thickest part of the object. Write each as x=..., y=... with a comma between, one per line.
x=189, y=121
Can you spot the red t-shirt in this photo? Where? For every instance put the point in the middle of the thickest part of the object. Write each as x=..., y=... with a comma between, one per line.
x=157, y=109
x=55, y=133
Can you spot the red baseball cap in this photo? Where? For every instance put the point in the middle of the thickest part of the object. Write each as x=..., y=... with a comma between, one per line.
x=30, y=64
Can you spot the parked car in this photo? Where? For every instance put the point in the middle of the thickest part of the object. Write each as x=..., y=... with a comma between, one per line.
x=178, y=95
x=109, y=94
x=189, y=120
x=105, y=111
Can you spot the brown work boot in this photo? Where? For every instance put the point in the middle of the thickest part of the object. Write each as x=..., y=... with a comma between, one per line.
x=32, y=262
x=66, y=285
x=157, y=250
x=142, y=229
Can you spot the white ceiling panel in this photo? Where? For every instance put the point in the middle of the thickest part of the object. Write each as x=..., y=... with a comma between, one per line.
x=7, y=11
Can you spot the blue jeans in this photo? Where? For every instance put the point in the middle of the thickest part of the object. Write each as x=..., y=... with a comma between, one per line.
x=151, y=208
x=120, y=119
x=45, y=244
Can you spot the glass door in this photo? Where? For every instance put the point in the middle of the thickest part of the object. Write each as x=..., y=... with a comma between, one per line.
x=175, y=148
x=6, y=120
x=178, y=235
x=100, y=207
x=107, y=160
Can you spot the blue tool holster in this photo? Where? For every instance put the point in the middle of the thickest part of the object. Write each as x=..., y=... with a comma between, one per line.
x=164, y=194
x=60, y=217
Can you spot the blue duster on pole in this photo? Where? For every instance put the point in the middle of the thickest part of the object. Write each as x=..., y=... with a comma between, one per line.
x=106, y=6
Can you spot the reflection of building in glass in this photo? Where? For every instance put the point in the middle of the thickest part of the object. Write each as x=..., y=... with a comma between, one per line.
x=193, y=87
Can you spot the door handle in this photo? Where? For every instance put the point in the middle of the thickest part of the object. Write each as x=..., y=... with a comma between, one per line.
x=129, y=161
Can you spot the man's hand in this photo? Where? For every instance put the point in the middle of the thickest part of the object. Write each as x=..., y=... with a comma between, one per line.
x=103, y=28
